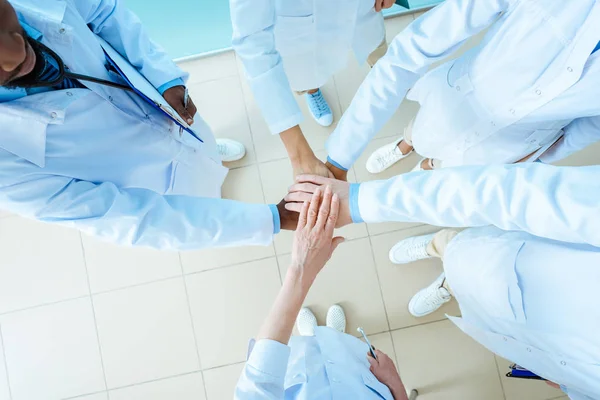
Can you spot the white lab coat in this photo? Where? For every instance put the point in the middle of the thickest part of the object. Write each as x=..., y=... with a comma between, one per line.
x=107, y=163
x=526, y=287
x=298, y=45
x=531, y=77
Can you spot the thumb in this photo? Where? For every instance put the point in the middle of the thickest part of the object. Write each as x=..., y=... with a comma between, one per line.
x=372, y=361
x=183, y=113
x=336, y=242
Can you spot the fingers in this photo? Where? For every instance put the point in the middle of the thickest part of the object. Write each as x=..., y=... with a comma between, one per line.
x=378, y=4
x=303, y=215
x=183, y=113
x=298, y=197
x=374, y=363
x=333, y=215
x=295, y=207
x=324, y=209
x=316, y=179
x=313, y=209
x=191, y=110
x=303, y=187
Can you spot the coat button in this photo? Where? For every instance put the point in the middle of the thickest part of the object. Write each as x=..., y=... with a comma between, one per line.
x=538, y=92
x=69, y=94
x=110, y=98
x=512, y=110
x=53, y=115
x=62, y=31
x=569, y=69
x=505, y=339
x=528, y=350
x=563, y=363
x=458, y=88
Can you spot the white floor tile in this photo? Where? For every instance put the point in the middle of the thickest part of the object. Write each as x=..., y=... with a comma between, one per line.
x=221, y=382
x=41, y=264
x=229, y=306
x=95, y=396
x=350, y=280
x=399, y=283
x=112, y=267
x=145, y=333
x=186, y=387
x=52, y=351
x=4, y=389
x=221, y=104
x=242, y=184
x=210, y=68
x=443, y=363
x=521, y=389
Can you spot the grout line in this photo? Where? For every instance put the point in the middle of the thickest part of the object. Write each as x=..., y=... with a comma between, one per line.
x=417, y=325
x=81, y=396
x=87, y=275
x=164, y=378
x=43, y=305
x=387, y=317
x=500, y=377
x=5, y=362
x=187, y=297
x=224, y=365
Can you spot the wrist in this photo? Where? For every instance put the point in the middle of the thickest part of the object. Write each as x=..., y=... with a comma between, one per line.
x=296, y=145
x=298, y=280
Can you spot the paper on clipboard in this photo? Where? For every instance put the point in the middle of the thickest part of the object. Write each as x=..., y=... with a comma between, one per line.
x=143, y=87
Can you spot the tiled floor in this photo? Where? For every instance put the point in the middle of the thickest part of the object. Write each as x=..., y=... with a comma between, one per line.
x=86, y=320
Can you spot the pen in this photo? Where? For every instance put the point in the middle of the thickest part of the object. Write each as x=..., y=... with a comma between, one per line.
x=364, y=335
x=186, y=98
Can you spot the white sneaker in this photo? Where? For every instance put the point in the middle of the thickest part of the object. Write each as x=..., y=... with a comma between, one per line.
x=411, y=249
x=385, y=156
x=306, y=322
x=336, y=318
x=429, y=299
x=230, y=150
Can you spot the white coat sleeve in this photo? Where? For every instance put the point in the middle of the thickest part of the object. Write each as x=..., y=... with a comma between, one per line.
x=559, y=203
x=430, y=38
x=254, y=42
x=139, y=217
x=120, y=27
x=578, y=135
x=263, y=376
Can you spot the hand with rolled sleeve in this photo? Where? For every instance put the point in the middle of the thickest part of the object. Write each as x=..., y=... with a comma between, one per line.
x=385, y=371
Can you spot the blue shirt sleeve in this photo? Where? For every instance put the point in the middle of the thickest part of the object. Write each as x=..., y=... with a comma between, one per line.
x=175, y=82
x=276, y=219
x=263, y=376
x=354, y=210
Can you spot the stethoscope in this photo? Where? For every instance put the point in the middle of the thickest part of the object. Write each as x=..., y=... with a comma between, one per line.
x=63, y=74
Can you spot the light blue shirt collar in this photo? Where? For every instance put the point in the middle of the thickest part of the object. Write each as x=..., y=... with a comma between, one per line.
x=14, y=94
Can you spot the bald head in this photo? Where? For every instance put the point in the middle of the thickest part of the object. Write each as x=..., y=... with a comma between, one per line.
x=17, y=57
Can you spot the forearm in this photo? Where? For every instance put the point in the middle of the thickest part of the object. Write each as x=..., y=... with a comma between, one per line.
x=558, y=203
x=398, y=391
x=280, y=322
x=295, y=144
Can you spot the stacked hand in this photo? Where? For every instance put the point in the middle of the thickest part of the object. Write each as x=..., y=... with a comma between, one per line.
x=314, y=242
x=305, y=187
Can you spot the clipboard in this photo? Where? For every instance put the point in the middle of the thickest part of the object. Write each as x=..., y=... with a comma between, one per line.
x=516, y=371
x=142, y=87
